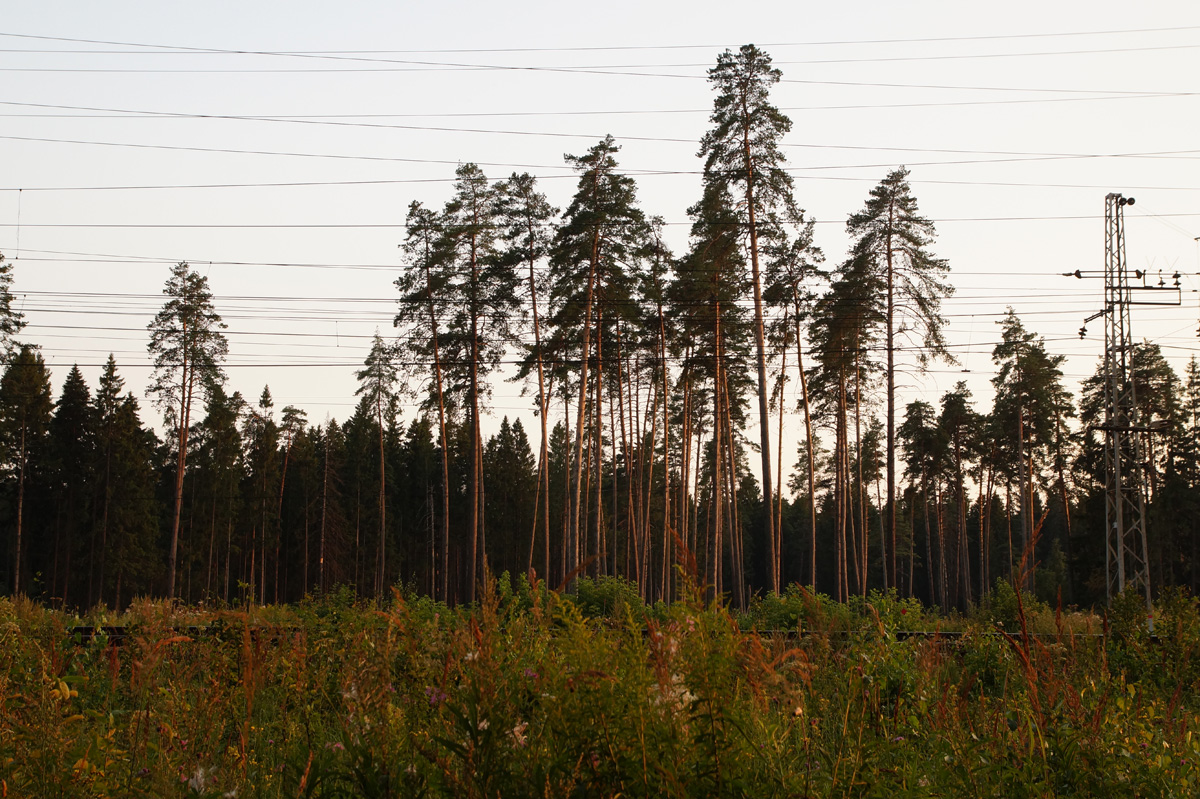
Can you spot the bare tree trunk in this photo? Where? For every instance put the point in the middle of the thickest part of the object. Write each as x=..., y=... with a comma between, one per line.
x=573, y=536
x=666, y=544
x=381, y=571
x=891, y=391
x=437, y=372
x=812, y=460
x=20, y=510
x=776, y=542
x=185, y=408
x=324, y=507
x=597, y=548
x=759, y=338
x=543, y=411
x=929, y=564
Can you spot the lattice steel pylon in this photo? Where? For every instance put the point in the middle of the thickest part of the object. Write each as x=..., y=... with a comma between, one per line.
x=1124, y=433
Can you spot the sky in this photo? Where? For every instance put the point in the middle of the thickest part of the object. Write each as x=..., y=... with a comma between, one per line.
x=276, y=147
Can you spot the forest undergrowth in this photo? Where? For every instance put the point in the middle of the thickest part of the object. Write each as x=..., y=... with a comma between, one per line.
x=534, y=693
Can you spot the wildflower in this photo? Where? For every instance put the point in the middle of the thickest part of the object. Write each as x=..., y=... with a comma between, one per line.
x=517, y=734
x=483, y=725
x=335, y=746
x=471, y=656
x=530, y=674
x=200, y=779
x=435, y=695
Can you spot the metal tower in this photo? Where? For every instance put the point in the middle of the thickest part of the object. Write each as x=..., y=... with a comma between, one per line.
x=1125, y=503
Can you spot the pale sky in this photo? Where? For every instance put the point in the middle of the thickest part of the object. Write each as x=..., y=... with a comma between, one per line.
x=1015, y=126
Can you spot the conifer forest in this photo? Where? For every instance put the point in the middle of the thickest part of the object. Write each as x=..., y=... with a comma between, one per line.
x=644, y=370
x=758, y=523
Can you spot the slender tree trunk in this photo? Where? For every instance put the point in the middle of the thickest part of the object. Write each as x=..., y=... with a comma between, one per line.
x=596, y=547
x=543, y=411
x=324, y=517
x=185, y=408
x=212, y=546
x=20, y=509
x=437, y=371
x=812, y=460
x=776, y=542
x=929, y=563
x=573, y=535
x=759, y=338
x=891, y=390
x=737, y=553
x=666, y=543
x=228, y=541
x=381, y=569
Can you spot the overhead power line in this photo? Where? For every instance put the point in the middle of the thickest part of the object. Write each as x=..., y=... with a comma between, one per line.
x=165, y=48
x=402, y=225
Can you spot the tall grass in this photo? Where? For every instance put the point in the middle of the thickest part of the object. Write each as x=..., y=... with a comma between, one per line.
x=535, y=694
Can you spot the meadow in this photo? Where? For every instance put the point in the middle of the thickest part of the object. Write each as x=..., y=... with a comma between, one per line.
x=534, y=693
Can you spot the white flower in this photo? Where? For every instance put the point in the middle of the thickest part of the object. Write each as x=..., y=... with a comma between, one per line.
x=471, y=656
x=483, y=725
x=517, y=733
x=200, y=779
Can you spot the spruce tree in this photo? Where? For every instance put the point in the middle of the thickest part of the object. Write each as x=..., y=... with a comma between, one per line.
x=71, y=462
x=133, y=520
x=12, y=321
x=26, y=405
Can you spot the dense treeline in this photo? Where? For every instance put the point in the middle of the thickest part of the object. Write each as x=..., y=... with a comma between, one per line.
x=646, y=369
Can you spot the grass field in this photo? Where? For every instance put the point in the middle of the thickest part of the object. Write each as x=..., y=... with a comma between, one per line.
x=536, y=694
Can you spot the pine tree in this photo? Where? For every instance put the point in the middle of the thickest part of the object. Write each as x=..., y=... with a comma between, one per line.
x=524, y=216
x=704, y=296
x=377, y=387
x=596, y=249
x=743, y=157
x=188, y=348
x=422, y=285
x=843, y=331
x=925, y=452
x=961, y=425
x=1029, y=412
x=891, y=242
x=483, y=295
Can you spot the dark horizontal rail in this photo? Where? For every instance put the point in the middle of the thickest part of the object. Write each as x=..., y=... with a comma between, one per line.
x=117, y=635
